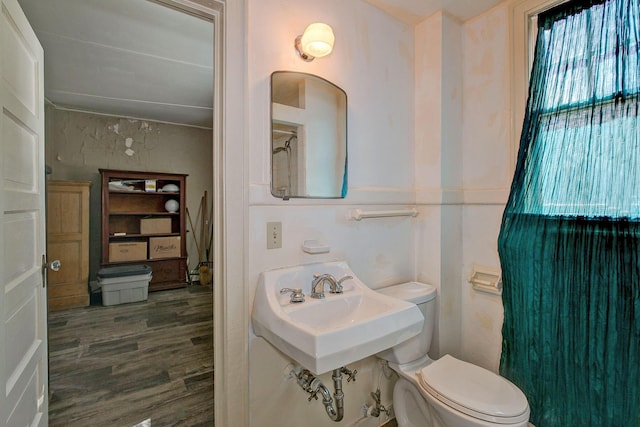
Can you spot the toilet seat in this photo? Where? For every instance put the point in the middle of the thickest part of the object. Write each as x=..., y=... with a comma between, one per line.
x=474, y=391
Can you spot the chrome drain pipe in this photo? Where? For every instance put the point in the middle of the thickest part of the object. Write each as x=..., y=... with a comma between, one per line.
x=333, y=413
x=338, y=394
x=312, y=385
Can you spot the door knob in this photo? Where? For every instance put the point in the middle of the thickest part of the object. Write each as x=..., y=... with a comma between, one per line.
x=55, y=265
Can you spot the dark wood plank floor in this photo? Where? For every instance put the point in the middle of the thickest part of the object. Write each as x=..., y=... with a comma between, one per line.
x=118, y=366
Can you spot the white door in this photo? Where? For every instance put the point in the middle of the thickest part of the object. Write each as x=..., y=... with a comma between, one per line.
x=23, y=328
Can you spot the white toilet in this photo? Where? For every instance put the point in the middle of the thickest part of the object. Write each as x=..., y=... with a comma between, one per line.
x=446, y=392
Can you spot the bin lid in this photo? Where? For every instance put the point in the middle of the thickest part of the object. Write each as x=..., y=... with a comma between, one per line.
x=124, y=270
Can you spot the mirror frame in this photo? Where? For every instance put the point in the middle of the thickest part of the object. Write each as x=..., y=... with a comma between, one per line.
x=272, y=148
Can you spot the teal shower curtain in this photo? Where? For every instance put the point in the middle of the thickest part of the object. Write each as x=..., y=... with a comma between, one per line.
x=569, y=242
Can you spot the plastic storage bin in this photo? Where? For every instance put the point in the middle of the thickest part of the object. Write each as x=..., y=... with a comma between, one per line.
x=123, y=284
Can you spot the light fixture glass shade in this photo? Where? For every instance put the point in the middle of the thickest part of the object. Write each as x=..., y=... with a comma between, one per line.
x=317, y=40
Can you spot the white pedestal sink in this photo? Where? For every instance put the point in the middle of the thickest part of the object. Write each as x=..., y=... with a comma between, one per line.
x=326, y=334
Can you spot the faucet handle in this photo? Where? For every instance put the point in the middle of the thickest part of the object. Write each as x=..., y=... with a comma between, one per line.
x=351, y=375
x=296, y=294
x=343, y=279
x=338, y=286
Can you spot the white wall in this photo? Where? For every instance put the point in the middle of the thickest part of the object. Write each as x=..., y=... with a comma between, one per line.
x=487, y=172
x=464, y=163
x=438, y=164
x=373, y=62
x=429, y=119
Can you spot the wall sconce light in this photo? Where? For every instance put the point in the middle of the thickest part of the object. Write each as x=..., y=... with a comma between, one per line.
x=316, y=41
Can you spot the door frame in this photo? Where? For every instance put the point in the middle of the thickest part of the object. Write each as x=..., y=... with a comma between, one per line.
x=230, y=299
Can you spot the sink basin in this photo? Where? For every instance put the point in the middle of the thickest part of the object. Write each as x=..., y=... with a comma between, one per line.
x=325, y=334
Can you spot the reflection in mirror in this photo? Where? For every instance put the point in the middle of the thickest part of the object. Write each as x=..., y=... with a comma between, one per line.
x=308, y=137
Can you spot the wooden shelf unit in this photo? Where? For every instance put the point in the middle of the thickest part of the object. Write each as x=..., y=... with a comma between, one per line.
x=124, y=207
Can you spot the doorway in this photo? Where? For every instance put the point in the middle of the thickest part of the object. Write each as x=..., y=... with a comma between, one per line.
x=63, y=159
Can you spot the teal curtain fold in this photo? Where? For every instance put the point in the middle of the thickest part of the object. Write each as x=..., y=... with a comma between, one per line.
x=569, y=243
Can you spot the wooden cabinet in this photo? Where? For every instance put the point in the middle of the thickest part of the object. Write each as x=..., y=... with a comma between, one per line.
x=68, y=242
x=143, y=222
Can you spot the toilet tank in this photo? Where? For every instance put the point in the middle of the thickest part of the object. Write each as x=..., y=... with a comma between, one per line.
x=423, y=295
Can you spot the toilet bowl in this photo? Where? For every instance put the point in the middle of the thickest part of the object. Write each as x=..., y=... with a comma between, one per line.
x=446, y=392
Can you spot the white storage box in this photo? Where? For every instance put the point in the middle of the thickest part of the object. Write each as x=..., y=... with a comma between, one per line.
x=123, y=284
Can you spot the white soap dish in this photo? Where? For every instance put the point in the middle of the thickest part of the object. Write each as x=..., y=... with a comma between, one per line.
x=315, y=247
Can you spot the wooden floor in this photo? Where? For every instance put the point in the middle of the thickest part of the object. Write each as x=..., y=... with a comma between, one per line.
x=118, y=366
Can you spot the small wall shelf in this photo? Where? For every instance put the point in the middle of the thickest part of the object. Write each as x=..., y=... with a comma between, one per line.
x=486, y=279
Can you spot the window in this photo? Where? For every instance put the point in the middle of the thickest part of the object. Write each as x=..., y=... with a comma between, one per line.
x=584, y=119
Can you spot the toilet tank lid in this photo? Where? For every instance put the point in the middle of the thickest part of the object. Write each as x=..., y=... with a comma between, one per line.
x=414, y=292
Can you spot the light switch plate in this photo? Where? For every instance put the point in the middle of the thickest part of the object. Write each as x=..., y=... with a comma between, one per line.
x=274, y=235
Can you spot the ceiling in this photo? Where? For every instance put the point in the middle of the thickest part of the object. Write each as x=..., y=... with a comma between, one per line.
x=139, y=59
x=413, y=11
x=131, y=58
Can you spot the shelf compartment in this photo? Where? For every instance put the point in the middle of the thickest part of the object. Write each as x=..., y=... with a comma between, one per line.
x=143, y=214
x=124, y=203
x=126, y=184
x=130, y=224
x=148, y=193
x=113, y=237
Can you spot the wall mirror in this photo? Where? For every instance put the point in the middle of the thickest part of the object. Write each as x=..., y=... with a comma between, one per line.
x=308, y=137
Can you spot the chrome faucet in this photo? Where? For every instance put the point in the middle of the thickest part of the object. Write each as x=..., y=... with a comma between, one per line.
x=317, y=285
